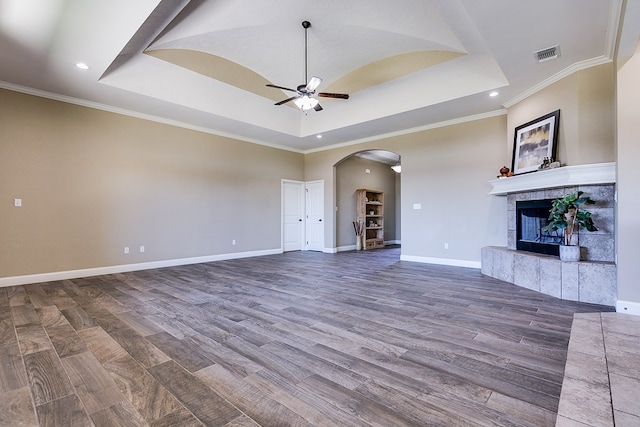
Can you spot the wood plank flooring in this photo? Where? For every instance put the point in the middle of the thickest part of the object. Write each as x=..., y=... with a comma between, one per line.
x=298, y=339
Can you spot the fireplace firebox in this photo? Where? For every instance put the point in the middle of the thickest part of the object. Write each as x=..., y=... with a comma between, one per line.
x=531, y=217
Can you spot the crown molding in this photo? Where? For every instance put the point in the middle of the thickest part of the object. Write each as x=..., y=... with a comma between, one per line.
x=578, y=66
x=508, y=104
x=442, y=124
x=130, y=113
x=614, y=27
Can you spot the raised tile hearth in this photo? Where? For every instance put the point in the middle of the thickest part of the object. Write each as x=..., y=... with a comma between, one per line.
x=585, y=281
x=591, y=280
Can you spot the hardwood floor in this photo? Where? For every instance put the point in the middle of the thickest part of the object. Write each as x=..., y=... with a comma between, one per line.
x=299, y=339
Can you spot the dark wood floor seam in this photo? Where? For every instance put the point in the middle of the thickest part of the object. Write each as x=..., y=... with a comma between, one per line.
x=297, y=339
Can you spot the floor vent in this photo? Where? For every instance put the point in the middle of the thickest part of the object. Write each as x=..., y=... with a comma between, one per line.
x=547, y=54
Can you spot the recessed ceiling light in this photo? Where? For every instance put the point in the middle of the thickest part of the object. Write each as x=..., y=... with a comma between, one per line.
x=319, y=136
x=494, y=93
x=82, y=66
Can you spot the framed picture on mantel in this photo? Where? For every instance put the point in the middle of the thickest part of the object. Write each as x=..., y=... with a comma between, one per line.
x=534, y=141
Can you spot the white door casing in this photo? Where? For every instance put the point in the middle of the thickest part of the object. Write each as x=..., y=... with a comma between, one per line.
x=314, y=228
x=293, y=206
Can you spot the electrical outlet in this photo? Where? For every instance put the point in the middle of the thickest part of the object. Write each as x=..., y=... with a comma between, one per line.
x=446, y=246
x=233, y=242
x=126, y=249
x=141, y=248
x=17, y=203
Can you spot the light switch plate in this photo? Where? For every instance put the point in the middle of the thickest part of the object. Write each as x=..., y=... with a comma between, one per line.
x=17, y=203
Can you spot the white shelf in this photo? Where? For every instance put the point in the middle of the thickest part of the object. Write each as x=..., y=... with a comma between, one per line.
x=597, y=173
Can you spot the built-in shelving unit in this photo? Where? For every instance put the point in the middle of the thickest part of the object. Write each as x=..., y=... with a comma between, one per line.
x=370, y=206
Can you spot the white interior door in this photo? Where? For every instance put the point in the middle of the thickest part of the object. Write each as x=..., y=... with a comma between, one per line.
x=293, y=193
x=314, y=229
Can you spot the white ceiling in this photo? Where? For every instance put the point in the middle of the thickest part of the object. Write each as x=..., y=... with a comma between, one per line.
x=494, y=41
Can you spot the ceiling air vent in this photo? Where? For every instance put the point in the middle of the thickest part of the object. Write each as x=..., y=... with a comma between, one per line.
x=547, y=54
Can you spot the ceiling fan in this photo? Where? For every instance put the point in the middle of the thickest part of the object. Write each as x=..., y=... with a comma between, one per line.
x=304, y=97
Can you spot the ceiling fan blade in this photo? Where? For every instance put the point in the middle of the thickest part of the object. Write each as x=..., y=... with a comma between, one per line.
x=313, y=84
x=280, y=87
x=318, y=107
x=284, y=101
x=334, y=95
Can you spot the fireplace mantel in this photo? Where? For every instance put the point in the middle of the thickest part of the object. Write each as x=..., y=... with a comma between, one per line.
x=592, y=174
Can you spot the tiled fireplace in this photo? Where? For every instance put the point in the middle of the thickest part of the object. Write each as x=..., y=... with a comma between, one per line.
x=593, y=279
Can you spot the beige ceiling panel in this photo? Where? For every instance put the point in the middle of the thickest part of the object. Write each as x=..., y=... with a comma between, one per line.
x=220, y=69
x=389, y=69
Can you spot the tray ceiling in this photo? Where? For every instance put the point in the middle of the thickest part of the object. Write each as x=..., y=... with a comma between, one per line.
x=204, y=63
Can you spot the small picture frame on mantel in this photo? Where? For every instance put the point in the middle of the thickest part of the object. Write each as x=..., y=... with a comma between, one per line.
x=534, y=142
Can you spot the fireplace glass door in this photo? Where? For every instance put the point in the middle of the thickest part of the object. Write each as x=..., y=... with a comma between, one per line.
x=531, y=217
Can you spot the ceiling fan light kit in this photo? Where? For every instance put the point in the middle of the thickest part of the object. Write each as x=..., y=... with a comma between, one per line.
x=306, y=103
x=305, y=99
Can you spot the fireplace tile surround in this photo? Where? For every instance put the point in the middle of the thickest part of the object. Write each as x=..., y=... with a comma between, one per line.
x=591, y=280
x=596, y=245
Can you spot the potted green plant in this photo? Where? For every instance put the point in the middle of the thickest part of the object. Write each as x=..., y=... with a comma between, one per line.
x=565, y=214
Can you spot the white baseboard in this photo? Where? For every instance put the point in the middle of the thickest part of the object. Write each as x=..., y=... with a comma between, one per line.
x=441, y=261
x=330, y=250
x=628, y=307
x=353, y=247
x=75, y=274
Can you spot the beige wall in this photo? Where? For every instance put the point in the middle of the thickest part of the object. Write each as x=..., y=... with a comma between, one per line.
x=350, y=176
x=446, y=170
x=628, y=218
x=93, y=182
x=398, y=201
x=587, y=115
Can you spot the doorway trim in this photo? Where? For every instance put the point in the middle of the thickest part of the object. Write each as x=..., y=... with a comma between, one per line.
x=314, y=215
x=344, y=185
x=304, y=212
x=286, y=222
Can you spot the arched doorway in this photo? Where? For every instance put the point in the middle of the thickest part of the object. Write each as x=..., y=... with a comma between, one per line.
x=369, y=169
